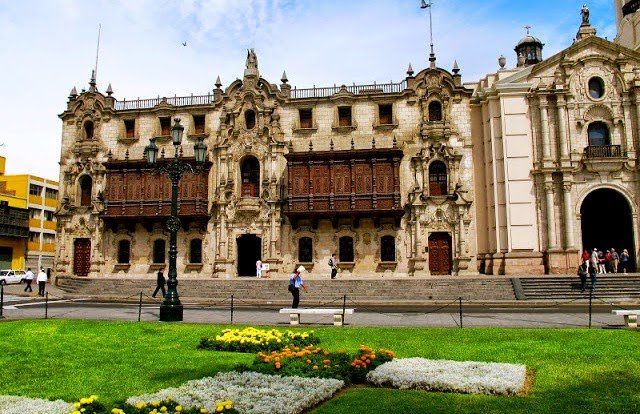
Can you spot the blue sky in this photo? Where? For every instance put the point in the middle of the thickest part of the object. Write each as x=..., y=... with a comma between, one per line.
x=49, y=46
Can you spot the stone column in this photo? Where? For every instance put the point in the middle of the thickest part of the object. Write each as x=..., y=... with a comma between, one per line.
x=551, y=222
x=568, y=216
x=627, y=144
x=544, y=127
x=562, y=126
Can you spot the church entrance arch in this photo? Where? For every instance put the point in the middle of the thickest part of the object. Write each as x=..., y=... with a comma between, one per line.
x=607, y=223
x=249, y=251
x=440, y=260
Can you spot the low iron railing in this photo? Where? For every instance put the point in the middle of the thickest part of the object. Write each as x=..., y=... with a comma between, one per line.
x=176, y=101
x=603, y=151
x=354, y=89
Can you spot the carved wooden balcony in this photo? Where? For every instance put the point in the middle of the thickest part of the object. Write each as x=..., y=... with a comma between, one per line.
x=133, y=191
x=333, y=184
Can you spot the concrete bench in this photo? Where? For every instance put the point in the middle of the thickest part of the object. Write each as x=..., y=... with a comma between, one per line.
x=294, y=314
x=630, y=317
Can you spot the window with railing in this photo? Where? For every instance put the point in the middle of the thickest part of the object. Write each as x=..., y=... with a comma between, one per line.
x=598, y=134
x=50, y=193
x=250, y=171
x=437, y=178
x=48, y=215
x=435, y=111
x=35, y=190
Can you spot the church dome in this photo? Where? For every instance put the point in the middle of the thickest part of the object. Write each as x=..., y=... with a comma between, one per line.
x=530, y=39
x=529, y=50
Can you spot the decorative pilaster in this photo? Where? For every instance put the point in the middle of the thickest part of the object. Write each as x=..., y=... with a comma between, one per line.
x=562, y=126
x=568, y=216
x=551, y=222
x=544, y=127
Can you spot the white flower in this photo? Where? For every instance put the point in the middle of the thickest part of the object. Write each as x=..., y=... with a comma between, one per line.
x=250, y=392
x=454, y=376
x=22, y=405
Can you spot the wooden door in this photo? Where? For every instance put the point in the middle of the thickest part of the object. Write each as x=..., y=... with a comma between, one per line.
x=81, y=257
x=440, y=262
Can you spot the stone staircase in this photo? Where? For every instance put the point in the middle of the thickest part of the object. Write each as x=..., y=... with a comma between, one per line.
x=325, y=292
x=610, y=286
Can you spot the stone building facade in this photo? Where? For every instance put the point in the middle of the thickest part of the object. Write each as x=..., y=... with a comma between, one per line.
x=516, y=173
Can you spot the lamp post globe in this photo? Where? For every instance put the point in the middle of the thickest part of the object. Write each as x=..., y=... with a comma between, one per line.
x=171, y=310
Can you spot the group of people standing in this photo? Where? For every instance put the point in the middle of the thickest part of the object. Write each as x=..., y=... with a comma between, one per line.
x=42, y=279
x=599, y=262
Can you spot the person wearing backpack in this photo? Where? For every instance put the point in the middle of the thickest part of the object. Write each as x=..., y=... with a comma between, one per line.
x=582, y=274
x=333, y=263
x=295, y=283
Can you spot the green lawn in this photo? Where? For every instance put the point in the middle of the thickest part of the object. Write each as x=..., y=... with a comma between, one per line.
x=576, y=370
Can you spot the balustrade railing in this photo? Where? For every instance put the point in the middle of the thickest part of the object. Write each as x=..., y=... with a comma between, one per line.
x=603, y=151
x=176, y=101
x=354, y=89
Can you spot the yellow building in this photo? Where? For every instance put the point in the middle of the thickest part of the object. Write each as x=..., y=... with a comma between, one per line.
x=40, y=197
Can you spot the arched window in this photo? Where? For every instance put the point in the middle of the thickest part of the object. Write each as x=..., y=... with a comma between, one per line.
x=435, y=111
x=88, y=130
x=249, y=119
x=388, y=249
x=596, y=87
x=250, y=171
x=124, y=251
x=598, y=134
x=85, y=190
x=305, y=249
x=437, y=178
x=159, y=247
x=195, y=251
x=346, y=249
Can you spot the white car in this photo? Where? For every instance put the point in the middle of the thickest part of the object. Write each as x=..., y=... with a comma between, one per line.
x=8, y=276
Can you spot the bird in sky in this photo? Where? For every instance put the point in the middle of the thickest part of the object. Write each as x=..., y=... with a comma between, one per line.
x=184, y=43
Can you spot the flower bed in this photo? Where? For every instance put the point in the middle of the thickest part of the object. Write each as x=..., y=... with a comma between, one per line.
x=20, y=405
x=254, y=340
x=454, y=376
x=252, y=392
x=313, y=361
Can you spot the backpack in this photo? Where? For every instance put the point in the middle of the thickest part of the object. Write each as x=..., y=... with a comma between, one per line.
x=291, y=285
x=330, y=262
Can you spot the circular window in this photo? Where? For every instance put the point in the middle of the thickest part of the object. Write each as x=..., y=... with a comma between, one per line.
x=596, y=88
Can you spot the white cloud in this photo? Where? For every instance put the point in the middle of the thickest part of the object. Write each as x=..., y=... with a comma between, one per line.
x=50, y=47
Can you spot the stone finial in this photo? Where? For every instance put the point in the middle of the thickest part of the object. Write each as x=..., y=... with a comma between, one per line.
x=126, y=154
x=218, y=82
x=395, y=141
x=455, y=69
x=502, y=61
x=92, y=82
x=109, y=90
x=310, y=146
x=284, y=79
x=353, y=145
x=409, y=70
x=331, y=145
x=73, y=94
x=373, y=143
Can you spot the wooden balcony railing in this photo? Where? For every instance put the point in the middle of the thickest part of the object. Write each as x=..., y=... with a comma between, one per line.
x=603, y=151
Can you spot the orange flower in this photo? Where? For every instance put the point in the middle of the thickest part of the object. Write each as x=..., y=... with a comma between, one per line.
x=326, y=361
x=277, y=365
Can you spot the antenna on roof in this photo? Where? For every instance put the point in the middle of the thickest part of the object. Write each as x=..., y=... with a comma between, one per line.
x=97, y=51
x=432, y=55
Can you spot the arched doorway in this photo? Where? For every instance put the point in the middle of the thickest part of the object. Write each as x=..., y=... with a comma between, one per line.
x=606, y=223
x=440, y=261
x=249, y=251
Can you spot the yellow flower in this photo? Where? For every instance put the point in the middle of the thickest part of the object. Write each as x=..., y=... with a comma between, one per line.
x=203, y=411
x=141, y=405
x=219, y=408
x=163, y=409
x=75, y=412
x=229, y=405
x=155, y=403
x=178, y=408
x=76, y=405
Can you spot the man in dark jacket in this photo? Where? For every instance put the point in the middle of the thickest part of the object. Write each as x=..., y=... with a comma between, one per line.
x=160, y=285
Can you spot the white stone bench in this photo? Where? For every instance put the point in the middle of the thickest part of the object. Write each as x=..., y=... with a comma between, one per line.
x=294, y=314
x=630, y=317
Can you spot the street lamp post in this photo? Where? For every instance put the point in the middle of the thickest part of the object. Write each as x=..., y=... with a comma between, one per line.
x=171, y=308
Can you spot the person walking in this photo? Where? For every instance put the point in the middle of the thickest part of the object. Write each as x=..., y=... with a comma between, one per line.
x=615, y=260
x=593, y=267
x=624, y=260
x=295, y=283
x=259, y=269
x=333, y=262
x=582, y=274
x=28, y=278
x=159, y=285
x=42, y=281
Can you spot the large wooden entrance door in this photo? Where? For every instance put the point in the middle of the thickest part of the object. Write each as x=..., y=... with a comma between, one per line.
x=81, y=257
x=440, y=262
